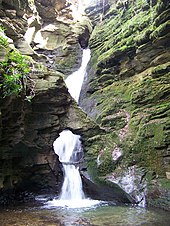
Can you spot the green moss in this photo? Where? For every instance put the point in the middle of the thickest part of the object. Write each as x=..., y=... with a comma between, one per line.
x=99, y=155
x=107, y=164
x=105, y=78
x=143, y=138
x=160, y=31
x=160, y=70
x=163, y=17
x=119, y=45
x=161, y=6
x=143, y=38
x=134, y=26
x=121, y=31
x=114, y=122
x=164, y=183
x=141, y=96
x=160, y=111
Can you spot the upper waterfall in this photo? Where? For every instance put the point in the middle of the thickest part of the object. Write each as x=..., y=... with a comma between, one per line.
x=74, y=81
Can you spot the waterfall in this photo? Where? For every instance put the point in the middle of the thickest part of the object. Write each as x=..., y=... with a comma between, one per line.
x=69, y=149
x=68, y=145
x=74, y=81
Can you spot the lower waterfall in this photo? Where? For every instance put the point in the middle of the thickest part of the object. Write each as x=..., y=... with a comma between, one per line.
x=69, y=149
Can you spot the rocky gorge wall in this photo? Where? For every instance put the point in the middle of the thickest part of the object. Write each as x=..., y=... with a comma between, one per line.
x=45, y=32
x=127, y=93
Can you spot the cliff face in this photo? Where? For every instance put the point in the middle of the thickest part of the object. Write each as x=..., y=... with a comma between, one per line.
x=46, y=32
x=127, y=93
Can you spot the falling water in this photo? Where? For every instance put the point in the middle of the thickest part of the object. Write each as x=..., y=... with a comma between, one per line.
x=69, y=149
x=68, y=145
x=74, y=81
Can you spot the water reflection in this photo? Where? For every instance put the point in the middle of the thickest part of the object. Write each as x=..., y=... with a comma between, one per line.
x=96, y=216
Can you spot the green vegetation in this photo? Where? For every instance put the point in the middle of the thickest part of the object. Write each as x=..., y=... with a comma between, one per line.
x=14, y=70
x=164, y=183
x=128, y=28
x=131, y=87
x=143, y=98
x=3, y=39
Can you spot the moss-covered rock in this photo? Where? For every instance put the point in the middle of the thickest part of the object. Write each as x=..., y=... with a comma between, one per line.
x=128, y=89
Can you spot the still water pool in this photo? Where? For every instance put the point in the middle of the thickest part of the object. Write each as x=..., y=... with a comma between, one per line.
x=100, y=215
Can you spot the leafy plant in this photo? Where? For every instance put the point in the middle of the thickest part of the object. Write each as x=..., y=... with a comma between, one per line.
x=2, y=28
x=3, y=39
x=11, y=84
x=15, y=73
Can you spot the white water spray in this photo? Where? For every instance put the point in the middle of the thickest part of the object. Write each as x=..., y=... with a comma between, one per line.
x=69, y=149
x=74, y=81
x=68, y=145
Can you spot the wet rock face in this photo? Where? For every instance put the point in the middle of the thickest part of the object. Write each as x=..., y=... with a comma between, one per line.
x=28, y=129
x=50, y=9
x=127, y=90
x=58, y=36
x=11, y=13
x=106, y=192
x=59, y=4
x=84, y=38
x=97, y=11
x=45, y=31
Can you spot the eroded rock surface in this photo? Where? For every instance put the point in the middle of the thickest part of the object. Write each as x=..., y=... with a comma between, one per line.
x=47, y=33
x=127, y=93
